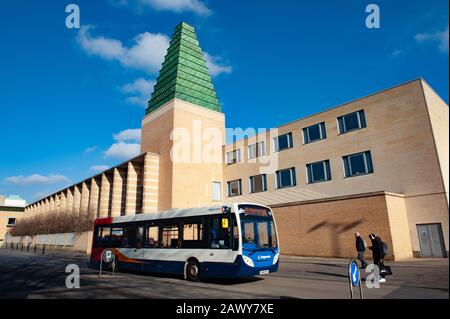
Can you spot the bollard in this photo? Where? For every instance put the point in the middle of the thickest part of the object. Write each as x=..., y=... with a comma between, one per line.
x=35, y=248
x=21, y=248
x=28, y=247
x=43, y=249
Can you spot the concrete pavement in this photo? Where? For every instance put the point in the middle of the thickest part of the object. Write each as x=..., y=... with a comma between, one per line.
x=29, y=275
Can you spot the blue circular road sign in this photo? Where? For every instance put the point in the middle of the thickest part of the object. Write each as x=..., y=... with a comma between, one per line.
x=353, y=273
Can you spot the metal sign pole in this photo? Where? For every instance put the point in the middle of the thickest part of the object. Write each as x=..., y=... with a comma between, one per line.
x=101, y=262
x=360, y=289
x=351, y=288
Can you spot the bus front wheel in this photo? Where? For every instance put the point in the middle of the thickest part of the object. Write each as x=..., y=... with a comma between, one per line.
x=192, y=270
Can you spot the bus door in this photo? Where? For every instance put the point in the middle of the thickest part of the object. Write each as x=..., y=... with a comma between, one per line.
x=220, y=237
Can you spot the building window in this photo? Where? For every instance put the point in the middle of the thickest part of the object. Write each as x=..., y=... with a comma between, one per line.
x=234, y=188
x=314, y=133
x=282, y=142
x=352, y=121
x=216, y=191
x=11, y=221
x=286, y=178
x=358, y=164
x=256, y=150
x=258, y=183
x=234, y=157
x=318, y=172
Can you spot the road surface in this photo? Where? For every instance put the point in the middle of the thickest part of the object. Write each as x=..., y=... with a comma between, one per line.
x=29, y=275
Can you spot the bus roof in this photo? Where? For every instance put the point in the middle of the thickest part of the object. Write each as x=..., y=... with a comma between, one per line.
x=171, y=213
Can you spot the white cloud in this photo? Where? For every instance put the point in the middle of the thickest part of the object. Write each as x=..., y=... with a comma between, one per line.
x=123, y=150
x=99, y=168
x=178, y=6
x=36, y=179
x=132, y=134
x=215, y=65
x=146, y=53
x=137, y=100
x=397, y=52
x=141, y=91
x=90, y=149
x=441, y=37
x=141, y=86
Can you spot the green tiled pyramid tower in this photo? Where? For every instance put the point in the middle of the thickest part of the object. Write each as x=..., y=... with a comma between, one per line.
x=184, y=74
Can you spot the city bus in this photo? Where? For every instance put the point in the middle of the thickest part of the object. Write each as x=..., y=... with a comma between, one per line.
x=235, y=240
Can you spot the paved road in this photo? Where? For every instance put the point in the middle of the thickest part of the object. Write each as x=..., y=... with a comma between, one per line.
x=28, y=275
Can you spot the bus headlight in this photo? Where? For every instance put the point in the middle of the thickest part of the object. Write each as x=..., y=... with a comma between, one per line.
x=275, y=258
x=248, y=261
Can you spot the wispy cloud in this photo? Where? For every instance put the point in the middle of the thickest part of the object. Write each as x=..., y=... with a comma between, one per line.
x=132, y=134
x=90, y=149
x=178, y=6
x=146, y=53
x=140, y=91
x=36, y=179
x=397, y=52
x=123, y=150
x=439, y=37
x=216, y=65
x=127, y=145
x=99, y=168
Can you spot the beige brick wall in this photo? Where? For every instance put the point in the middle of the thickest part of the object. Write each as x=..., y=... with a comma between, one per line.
x=327, y=228
x=183, y=183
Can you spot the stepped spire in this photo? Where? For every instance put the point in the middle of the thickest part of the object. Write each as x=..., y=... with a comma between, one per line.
x=184, y=74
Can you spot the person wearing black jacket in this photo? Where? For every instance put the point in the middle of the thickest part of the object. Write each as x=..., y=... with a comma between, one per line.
x=360, y=249
x=377, y=253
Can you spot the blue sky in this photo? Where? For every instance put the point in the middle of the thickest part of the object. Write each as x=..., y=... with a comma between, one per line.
x=71, y=100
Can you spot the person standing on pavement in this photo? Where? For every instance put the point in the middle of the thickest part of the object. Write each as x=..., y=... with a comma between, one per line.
x=377, y=253
x=360, y=249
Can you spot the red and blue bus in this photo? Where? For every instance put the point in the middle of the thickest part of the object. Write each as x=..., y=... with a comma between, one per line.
x=235, y=240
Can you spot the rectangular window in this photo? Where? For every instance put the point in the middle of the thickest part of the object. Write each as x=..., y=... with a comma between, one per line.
x=234, y=157
x=314, y=133
x=11, y=221
x=258, y=183
x=103, y=236
x=358, y=164
x=318, y=172
x=282, y=142
x=116, y=236
x=286, y=178
x=352, y=121
x=170, y=236
x=216, y=191
x=152, y=237
x=140, y=237
x=129, y=237
x=256, y=150
x=193, y=231
x=234, y=188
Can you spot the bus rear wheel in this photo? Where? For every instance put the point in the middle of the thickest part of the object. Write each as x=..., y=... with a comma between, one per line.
x=192, y=270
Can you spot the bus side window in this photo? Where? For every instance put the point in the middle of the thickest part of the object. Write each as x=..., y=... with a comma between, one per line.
x=116, y=236
x=170, y=238
x=152, y=237
x=103, y=236
x=129, y=237
x=140, y=237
